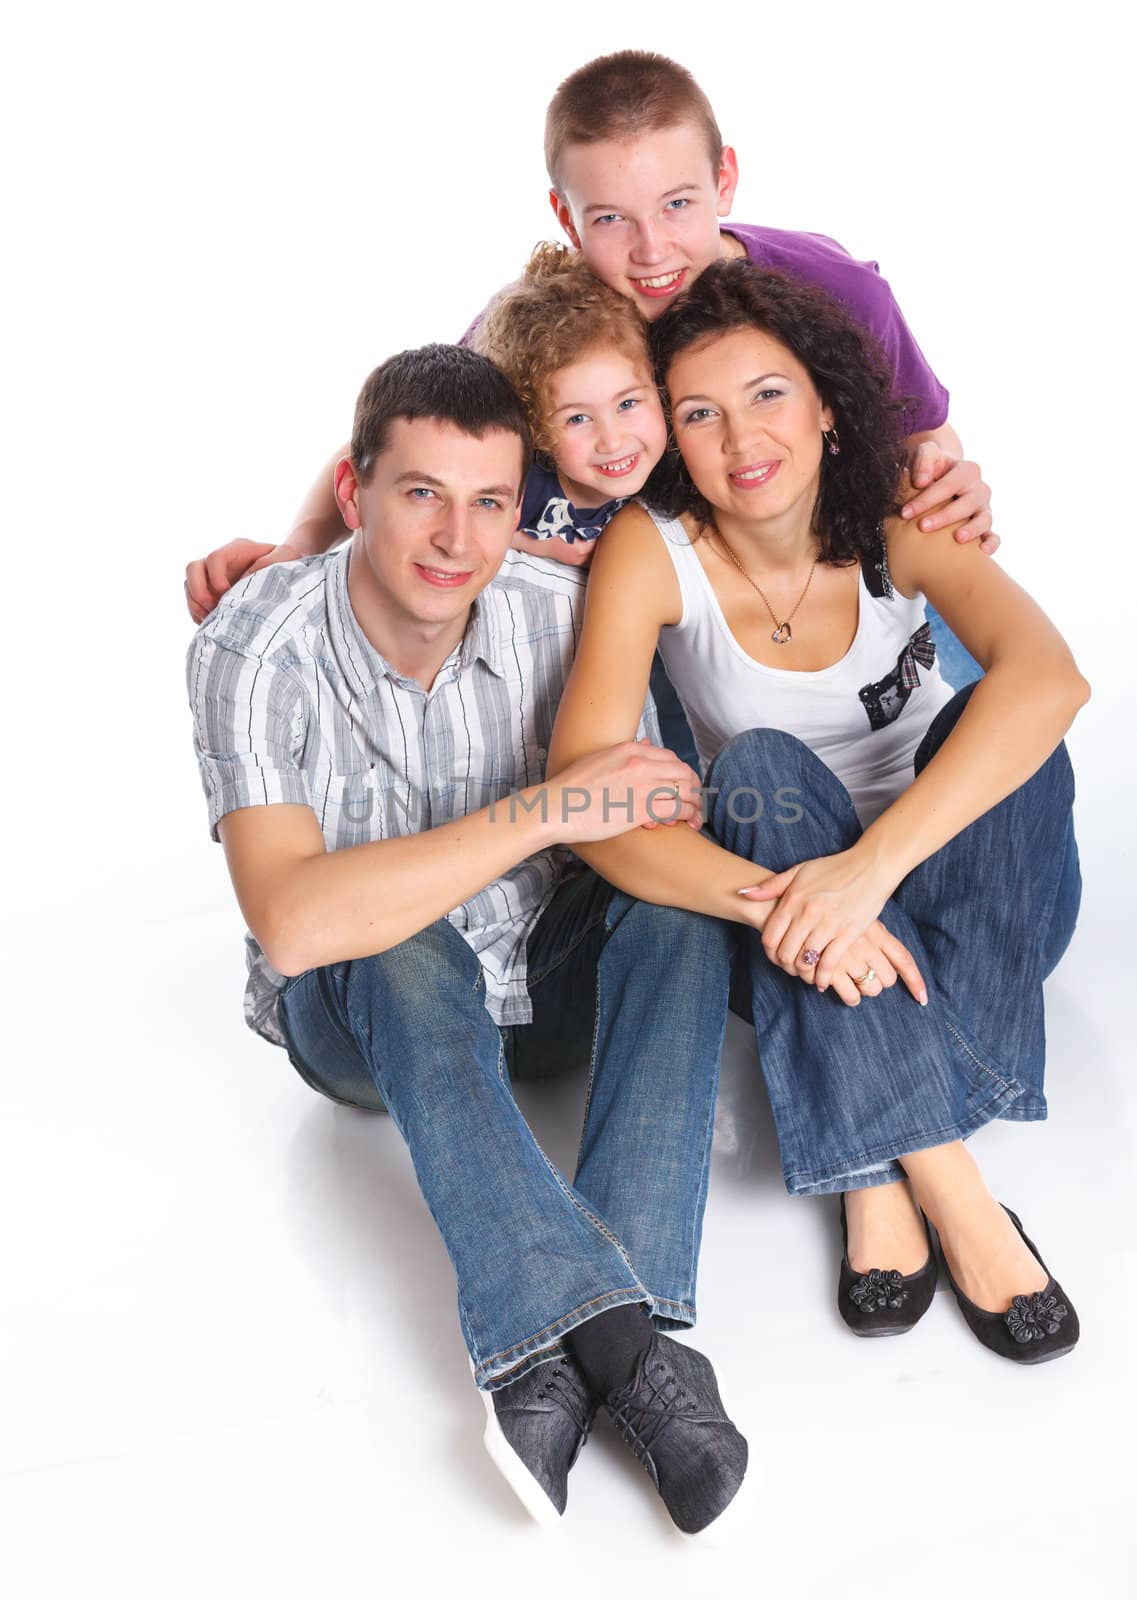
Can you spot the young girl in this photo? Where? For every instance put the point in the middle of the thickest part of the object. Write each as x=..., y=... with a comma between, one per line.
x=899, y=829
x=576, y=353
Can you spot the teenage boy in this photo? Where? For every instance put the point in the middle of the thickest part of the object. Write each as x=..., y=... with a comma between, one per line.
x=640, y=179
x=371, y=728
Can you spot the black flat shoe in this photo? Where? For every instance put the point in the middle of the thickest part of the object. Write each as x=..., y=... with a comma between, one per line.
x=881, y=1302
x=1038, y=1327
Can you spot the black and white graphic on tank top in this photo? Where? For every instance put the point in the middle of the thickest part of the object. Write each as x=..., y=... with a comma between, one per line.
x=884, y=701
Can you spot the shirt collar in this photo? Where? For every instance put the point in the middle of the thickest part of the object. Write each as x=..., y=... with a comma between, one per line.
x=364, y=667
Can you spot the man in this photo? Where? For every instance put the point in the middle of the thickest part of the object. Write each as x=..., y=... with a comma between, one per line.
x=640, y=179
x=372, y=728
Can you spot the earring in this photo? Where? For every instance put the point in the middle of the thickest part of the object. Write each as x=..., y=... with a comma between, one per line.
x=831, y=439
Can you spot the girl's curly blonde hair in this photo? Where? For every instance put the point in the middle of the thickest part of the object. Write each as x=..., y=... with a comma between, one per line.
x=555, y=312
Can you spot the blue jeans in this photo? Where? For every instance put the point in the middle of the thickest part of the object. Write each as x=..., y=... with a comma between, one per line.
x=986, y=918
x=957, y=665
x=639, y=992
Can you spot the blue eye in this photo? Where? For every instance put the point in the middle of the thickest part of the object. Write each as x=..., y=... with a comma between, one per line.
x=628, y=404
x=417, y=493
x=677, y=204
x=579, y=416
x=488, y=500
x=609, y=216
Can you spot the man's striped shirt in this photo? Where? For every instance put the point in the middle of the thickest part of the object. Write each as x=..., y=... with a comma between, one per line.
x=293, y=705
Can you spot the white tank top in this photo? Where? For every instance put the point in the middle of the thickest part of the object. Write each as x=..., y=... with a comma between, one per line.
x=864, y=716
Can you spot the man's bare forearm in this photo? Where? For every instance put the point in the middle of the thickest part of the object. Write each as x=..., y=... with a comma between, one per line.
x=309, y=907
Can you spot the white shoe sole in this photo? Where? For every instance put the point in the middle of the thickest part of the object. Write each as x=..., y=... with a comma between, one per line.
x=517, y=1474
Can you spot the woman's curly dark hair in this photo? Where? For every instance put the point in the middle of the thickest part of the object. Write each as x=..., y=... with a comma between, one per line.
x=858, y=487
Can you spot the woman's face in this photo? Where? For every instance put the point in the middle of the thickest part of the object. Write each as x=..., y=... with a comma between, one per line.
x=748, y=423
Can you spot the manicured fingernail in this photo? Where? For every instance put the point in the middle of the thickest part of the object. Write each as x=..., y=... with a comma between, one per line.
x=927, y=525
x=923, y=997
x=906, y=511
x=753, y=889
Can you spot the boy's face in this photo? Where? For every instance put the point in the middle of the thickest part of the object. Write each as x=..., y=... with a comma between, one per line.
x=608, y=426
x=437, y=514
x=644, y=212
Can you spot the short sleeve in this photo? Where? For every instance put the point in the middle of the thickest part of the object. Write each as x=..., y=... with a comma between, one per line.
x=858, y=285
x=248, y=729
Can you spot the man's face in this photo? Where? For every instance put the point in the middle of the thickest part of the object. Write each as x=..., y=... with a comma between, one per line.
x=644, y=212
x=437, y=515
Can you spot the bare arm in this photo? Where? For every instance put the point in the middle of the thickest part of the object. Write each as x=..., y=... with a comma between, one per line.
x=1018, y=713
x=1016, y=716
x=307, y=906
x=316, y=527
x=632, y=593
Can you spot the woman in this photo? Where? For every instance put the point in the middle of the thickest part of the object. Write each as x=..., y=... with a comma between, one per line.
x=899, y=830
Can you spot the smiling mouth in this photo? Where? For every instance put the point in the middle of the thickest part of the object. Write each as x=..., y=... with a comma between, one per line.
x=618, y=469
x=662, y=284
x=441, y=579
x=754, y=477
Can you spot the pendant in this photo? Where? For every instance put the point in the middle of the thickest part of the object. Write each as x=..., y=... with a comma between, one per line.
x=782, y=634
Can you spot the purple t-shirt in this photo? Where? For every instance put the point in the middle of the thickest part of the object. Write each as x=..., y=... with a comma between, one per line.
x=866, y=296
x=860, y=288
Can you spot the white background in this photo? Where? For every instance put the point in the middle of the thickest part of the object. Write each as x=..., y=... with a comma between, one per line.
x=232, y=1364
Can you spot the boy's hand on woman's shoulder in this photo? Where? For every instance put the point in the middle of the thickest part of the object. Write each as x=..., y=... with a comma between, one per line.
x=942, y=489
x=213, y=575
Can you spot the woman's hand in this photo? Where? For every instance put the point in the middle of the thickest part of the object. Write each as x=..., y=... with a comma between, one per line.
x=870, y=965
x=824, y=907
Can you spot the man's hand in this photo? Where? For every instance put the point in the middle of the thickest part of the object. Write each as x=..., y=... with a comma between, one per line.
x=576, y=554
x=610, y=792
x=946, y=490
x=208, y=579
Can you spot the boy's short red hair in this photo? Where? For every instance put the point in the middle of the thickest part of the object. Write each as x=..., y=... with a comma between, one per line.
x=623, y=95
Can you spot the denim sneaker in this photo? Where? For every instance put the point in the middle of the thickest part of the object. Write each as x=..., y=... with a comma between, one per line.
x=535, y=1429
x=673, y=1419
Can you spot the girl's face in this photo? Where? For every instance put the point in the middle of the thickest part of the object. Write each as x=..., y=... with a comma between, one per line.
x=607, y=426
x=748, y=423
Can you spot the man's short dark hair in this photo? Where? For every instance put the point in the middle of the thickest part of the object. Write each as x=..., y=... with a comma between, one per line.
x=441, y=383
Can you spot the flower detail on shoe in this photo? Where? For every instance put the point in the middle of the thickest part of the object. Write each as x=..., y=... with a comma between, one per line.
x=878, y=1290
x=1033, y=1316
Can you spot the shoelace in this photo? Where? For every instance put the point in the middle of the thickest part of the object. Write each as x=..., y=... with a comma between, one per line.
x=633, y=1418
x=570, y=1396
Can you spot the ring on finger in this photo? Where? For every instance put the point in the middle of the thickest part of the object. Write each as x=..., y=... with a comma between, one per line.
x=811, y=957
x=868, y=976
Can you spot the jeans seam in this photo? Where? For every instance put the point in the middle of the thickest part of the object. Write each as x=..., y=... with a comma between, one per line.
x=591, y=1065
x=972, y=1057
